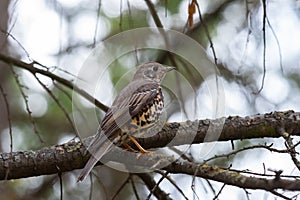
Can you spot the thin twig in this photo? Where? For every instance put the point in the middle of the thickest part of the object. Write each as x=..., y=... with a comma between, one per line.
x=131, y=25
x=193, y=185
x=280, y=195
x=268, y=147
x=30, y=67
x=9, y=125
x=207, y=33
x=25, y=98
x=4, y=95
x=120, y=188
x=211, y=186
x=61, y=184
x=157, y=184
x=19, y=43
x=154, y=14
x=291, y=147
x=75, y=106
x=130, y=21
x=278, y=45
x=97, y=24
x=247, y=194
x=159, y=25
x=264, y=174
x=264, y=47
x=181, y=154
x=213, y=51
x=220, y=191
x=150, y=183
x=173, y=183
x=56, y=100
x=133, y=187
x=248, y=17
x=53, y=68
x=91, y=187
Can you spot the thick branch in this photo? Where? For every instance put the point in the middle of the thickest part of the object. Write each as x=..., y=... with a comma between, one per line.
x=235, y=128
x=231, y=177
x=69, y=156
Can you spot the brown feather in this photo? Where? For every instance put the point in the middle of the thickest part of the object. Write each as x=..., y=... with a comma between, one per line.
x=139, y=94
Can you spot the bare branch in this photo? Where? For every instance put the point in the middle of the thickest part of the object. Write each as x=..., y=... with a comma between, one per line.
x=154, y=14
x=278, y=45
x=134, y=188
x=9, y=125
x=264, y=46
x=69, y=156
x=291, y=147
x=30, y=67
x=173, y=183
x=120, y=188
x=57, y=102
x=280, y=195
x=97, y=23
x=25, y=98
x=207, y=32
x=235, y=128
x=152, y=185
x=220, y=191
x=263, y=146
x=4, y=95
x=157, y=185
x=230, y=177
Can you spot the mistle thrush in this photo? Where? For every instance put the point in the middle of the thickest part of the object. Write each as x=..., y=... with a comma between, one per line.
x=135, y=112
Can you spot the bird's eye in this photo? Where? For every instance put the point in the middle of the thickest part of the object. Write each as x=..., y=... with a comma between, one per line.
x=155, y=68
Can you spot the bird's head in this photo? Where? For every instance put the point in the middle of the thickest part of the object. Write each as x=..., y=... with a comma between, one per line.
x=152, y=71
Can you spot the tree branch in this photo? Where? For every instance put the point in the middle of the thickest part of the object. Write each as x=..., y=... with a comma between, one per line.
x=232, y=178
x=152, y=185
x=69, y=156
x=235, y=128
x=30, y=67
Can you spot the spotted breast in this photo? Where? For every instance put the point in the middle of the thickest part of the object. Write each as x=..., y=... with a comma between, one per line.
x=148, y=120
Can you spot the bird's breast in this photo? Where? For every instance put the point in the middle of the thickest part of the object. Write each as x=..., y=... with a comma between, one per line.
x=148, y=119
x=146, y=122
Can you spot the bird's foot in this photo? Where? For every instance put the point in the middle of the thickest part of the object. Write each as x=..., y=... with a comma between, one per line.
x=141, y=153
x=129, y=148
x=142, y=150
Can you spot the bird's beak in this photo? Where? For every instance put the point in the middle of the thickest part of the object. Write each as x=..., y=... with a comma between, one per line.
x=169, y=68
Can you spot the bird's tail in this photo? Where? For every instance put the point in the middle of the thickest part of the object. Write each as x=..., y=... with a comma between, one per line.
x=95, y=157
x=87, y=169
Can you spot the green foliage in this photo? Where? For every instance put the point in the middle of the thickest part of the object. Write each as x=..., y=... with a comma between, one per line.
x=172, y=5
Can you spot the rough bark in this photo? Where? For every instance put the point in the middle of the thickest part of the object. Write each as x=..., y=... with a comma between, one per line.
x=70, y=156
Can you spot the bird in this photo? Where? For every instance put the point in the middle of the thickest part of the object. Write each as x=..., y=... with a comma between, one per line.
x=135, y=112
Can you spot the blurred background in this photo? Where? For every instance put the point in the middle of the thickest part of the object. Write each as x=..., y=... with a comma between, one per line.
x=259, y=71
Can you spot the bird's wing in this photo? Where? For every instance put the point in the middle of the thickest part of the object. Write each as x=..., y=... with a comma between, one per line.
x=129, y=102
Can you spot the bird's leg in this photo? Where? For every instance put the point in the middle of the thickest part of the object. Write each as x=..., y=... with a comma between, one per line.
x=142, y=150
x=129, y=148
